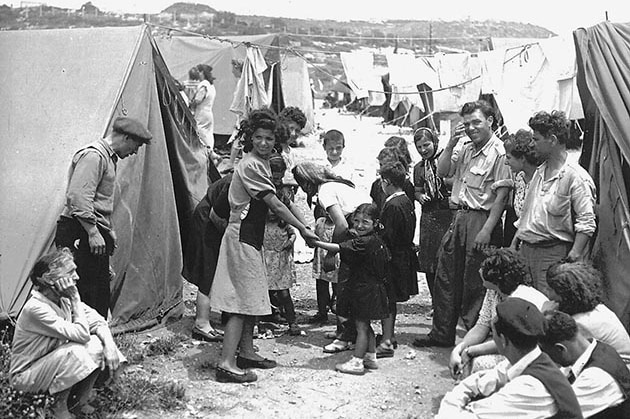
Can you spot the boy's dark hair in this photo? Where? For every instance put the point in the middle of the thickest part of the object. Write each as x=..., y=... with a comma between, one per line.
x=578, y=284
x=294, y=114
x=486, y=109
x=401, y=145
x=334, y=135
x=389, y=154
x=559, y=327
x=504, y=268
x=395, y=173
x=554, y=123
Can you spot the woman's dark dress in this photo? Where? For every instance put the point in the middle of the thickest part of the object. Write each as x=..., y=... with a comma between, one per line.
x=399, y=224
x=367, y=259
x=204, y=240
x=435, y=219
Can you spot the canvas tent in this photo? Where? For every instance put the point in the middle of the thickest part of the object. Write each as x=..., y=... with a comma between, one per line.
x=62, y=89
x=603, y=57
x=183, y=52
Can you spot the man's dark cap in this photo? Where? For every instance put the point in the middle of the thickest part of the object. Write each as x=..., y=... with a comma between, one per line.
x=133, y=128
x=523, y=316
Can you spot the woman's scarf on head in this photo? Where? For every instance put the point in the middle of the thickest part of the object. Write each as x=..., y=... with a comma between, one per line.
x=432, y=182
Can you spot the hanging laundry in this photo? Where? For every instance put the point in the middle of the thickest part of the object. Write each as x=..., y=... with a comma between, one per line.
x=250, y=91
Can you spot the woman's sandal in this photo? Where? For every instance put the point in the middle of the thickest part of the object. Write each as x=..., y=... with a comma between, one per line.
x=212, y=336
x=226, y=376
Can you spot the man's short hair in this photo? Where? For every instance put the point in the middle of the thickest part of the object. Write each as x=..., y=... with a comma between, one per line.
x=554, y=123
x=486, y=109
x=294, y=114
x=334, y=135
x=520, y=321
x=559, y=327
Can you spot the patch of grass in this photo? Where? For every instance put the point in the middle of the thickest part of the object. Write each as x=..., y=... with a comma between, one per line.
x=129, y=344
x=136, y=392
x=164, y=345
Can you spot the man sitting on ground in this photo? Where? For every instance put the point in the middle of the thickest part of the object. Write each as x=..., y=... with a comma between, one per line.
x=528, y=384
x=60, y=344
x=599, y=376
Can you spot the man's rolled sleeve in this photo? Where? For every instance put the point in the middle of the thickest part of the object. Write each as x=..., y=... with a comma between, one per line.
x=583, y=204
x=82, y=186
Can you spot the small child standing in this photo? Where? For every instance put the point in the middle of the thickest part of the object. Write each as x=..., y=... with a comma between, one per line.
x=278, y=251
x=367, y=258
x=399, y=224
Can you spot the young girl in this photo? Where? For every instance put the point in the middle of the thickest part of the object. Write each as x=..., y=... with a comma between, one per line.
x=399, y=225
x=278, y=250
x=389, y=155
x=367, y=258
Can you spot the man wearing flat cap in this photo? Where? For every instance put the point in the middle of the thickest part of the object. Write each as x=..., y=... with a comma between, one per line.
x=527, y=385
x=85, y=223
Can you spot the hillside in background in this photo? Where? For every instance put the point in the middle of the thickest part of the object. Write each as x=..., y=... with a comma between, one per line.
x=319, y=41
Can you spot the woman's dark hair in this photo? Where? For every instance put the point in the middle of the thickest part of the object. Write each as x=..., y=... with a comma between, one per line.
x=401, y=145
x=554, y=123
x=520, y=145
x=193, y=73
x=206, y=70
x=395, y=173
x=283, y=134
x=390, y=155
x=263, y=118
x=577, y=284
x=369, y=210
x=294, y=114
x=505, y=269
x=422, y=134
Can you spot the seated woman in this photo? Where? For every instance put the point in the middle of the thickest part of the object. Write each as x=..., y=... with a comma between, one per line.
x=60, y=344
x=504, y=275
x=575, y=288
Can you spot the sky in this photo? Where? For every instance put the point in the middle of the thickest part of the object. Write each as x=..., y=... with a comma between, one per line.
x=559, y=16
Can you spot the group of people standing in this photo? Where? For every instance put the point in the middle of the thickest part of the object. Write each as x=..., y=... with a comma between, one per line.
x=535, y=292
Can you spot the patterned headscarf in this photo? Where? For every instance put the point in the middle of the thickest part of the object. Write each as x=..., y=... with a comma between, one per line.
x=311, y=175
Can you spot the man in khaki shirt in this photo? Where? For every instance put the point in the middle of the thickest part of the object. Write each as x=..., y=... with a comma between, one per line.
x=85, y=224
x=480, y=189
x=558, y=216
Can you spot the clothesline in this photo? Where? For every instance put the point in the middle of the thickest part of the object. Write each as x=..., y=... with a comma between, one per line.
x=523, y=48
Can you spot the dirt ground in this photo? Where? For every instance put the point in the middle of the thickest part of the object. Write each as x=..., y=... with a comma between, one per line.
x=305, y=383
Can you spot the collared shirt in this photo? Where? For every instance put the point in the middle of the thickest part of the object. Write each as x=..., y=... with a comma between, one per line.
x=392, y=196
x=43, y=326
x=506, y=394
x=558, y=208
x=594, y=388
x=602, y=323
x=90, y=193
x=476, y=172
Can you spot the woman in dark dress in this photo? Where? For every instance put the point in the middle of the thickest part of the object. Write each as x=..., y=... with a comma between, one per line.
x=432, y=192
x=202, y=251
